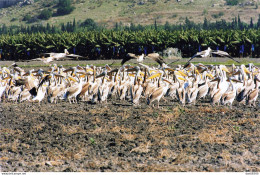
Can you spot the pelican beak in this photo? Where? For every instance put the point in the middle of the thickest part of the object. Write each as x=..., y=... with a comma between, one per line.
x=131, y=75
x=169, y=69
x=6, y=78
x=210, y=75
x=89, y=70
x=180, y=78
x=154, y=76
x=246, y=70
x=181, y=73
x=82, y=76
x=72, y=79
x=225, y=69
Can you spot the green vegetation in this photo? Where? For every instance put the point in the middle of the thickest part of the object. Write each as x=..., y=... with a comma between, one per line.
x=233, y=2
x=115, y=44
x=45, y=14
x=64, y=7
x=218, y=15
x=108, y=12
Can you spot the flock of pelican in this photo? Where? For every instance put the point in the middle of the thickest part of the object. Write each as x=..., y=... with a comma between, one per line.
x=187, y=84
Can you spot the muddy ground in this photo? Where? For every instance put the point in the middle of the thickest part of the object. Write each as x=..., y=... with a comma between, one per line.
x=120, y=137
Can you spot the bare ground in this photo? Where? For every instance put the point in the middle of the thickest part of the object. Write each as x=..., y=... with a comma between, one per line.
x=120, y=137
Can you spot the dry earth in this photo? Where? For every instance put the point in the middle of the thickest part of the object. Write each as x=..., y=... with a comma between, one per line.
x=120, y=137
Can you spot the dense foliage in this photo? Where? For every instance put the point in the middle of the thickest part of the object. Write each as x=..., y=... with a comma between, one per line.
x=45, y=14
x=233, y=2
x=115, y=44
x=64, y=7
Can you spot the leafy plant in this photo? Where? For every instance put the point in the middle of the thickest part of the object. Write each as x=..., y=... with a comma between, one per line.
x=64, y=7
x=92, y=140
x=45, y=14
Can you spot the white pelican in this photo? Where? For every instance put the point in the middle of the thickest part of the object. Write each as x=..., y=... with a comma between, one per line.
x=129, y=56
x=209, y=52
x=253, y=94
x=229, y=96
x=74, y=90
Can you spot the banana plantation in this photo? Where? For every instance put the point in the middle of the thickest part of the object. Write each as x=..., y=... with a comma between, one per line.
x=115, y=44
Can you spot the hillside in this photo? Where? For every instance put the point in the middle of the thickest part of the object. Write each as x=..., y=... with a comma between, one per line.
x=108, y=12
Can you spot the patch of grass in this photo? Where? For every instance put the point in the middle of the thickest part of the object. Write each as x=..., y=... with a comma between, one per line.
x=236, y=128
x=214, y=135
x=143, y=148
x=92, y=140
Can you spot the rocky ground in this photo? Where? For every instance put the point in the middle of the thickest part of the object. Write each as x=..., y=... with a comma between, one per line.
x=120, y=137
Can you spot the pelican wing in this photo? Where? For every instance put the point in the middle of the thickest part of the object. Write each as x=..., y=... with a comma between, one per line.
x=128, y=57
x=223, y=54
x=174, y=62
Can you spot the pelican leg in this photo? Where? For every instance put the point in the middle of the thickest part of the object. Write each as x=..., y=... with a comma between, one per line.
x=164, y=98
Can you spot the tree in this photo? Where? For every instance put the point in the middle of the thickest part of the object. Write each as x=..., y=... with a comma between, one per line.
x=240, y=23
x=155, y=24
x=205, y=24
x=251, y=25
x=89, y=23
x=63, y=27
x=45, y=14
x=48, y=28
x=27, y=17
x=64, y=7
x=74, y=26
x=258, y=22
x=167, y=26
x=232, y=2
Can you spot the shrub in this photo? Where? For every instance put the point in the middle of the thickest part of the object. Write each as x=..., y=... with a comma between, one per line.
x=45, y=14
x=217, y=15
x=64, y=7
x=89, y=23
x=233, y=2
x=27, y=17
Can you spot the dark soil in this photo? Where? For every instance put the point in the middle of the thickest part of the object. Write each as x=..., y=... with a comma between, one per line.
x=120, y=137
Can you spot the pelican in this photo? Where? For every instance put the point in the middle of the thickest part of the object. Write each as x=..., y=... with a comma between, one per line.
x=156, y=57
x=208, y=52
x=136, y=89
x=222, y=85
x=203, y=88
x=229, y=96
x=160, y=91
x=41, y=91
x=2, y=90
x=24, y=95
x=74, y=90
x=129, y=56
x=253, y=94
x=59, y=56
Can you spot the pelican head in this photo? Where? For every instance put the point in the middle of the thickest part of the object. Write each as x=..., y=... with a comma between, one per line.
x=66, y=51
